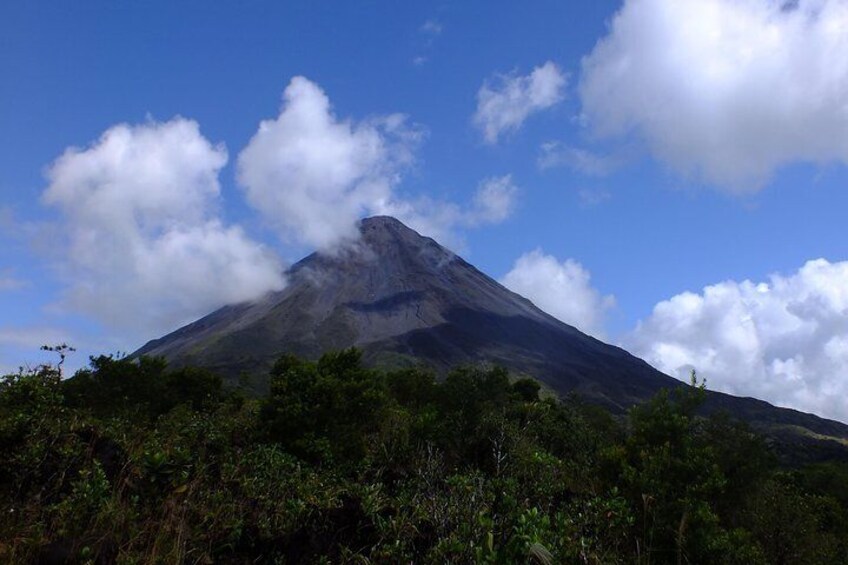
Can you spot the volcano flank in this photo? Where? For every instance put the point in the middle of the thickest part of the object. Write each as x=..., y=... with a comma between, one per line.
x=404, y=299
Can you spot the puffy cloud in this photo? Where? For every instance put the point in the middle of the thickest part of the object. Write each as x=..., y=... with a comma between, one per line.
x=312, y=176
x=556, y=154
x=562, y=289
x=494, y=201
x=726, y=90
x=785, y=340
x=145, y=250
x=505, y=102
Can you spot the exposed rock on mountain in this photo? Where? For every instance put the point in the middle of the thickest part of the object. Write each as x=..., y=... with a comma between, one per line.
x=402, y=298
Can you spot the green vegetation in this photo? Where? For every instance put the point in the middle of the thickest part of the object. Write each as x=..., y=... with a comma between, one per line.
x=132, y=462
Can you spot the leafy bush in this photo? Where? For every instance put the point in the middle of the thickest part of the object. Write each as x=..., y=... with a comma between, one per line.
x=130, y=461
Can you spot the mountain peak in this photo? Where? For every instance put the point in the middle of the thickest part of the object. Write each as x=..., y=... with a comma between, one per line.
x=396, y=245
x=381, y=222
x=402, y=298
x=383, y=228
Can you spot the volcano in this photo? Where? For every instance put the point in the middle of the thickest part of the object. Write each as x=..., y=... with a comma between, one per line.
x=404, y=299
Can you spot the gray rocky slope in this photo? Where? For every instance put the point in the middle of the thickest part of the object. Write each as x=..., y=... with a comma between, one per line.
x=402, y=298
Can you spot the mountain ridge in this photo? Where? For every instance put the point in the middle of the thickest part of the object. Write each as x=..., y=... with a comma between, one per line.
x=404, y=299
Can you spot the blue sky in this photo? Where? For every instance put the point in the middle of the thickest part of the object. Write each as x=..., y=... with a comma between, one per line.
x=667, y=175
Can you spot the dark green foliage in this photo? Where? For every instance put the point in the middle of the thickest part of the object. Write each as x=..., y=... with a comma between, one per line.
x=681, y=473
x=324, y=411
x=145, y=388
x=791, y=525
x=527, y=389
x=131, y=462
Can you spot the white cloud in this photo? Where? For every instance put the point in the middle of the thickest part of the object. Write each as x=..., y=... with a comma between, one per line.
x=312, y=176
x=494, y=201
x=143, y=248
x=562, y=289
x=726, y=90
x=556, y=154
x=505, y=102
x=785, y=340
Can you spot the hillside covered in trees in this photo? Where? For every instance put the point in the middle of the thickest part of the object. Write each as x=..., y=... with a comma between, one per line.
x=132, y=462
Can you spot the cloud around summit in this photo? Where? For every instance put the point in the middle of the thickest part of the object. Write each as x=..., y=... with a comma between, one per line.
x=312, y=175
x=144, y=247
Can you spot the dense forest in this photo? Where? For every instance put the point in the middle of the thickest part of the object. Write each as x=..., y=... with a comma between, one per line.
x=132, y=462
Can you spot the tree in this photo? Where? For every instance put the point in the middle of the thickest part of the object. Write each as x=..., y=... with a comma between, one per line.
x=324, y=411
x=675, y=477
x=63, y=349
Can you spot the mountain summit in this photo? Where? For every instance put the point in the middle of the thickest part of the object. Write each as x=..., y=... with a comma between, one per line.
x=402, y=298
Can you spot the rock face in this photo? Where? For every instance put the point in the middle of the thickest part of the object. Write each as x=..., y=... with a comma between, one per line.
x=402, y=298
